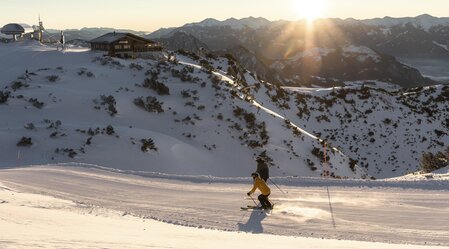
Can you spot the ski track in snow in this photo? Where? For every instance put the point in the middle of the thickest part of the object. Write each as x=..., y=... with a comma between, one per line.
x=363, y=212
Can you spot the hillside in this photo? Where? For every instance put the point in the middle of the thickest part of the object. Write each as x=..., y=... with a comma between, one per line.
x=147, y=115
x=385, y=131
x=191, y=115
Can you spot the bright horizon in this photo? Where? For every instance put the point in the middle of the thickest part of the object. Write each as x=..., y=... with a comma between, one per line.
x=151, y=15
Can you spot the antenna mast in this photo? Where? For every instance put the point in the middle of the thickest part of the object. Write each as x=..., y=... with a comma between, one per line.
x=41, y=29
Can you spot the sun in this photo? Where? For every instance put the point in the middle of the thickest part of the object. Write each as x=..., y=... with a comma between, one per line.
x=310, y=9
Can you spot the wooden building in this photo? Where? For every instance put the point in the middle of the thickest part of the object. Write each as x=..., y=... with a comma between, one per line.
x=124, y=45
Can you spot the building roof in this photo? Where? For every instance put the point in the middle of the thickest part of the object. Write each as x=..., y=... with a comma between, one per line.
x=115, y=36
x=16, y=29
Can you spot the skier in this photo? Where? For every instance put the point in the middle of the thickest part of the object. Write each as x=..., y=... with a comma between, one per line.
x=262, y=168
x=263, y=188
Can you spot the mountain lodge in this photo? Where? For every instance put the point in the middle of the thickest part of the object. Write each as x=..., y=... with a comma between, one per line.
x=124, y=45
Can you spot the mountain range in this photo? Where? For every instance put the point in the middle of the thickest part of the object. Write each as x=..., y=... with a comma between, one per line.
x=411, y=51
x=416, y=42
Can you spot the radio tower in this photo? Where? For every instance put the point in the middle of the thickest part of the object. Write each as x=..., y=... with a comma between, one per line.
x=40, y=29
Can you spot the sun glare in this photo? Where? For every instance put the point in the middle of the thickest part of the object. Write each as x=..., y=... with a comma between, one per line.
x=310, y=9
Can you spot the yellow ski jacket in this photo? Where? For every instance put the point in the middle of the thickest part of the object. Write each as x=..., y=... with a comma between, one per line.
x=262, y=186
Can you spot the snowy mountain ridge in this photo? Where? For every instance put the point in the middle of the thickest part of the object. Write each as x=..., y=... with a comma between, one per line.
x=248, y=22
x=425, y=21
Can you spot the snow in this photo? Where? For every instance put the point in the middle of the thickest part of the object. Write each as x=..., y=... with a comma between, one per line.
x=187, y=194
x=92, y=208
x=425, y=22
x=392, y=152
x=361, y=52
x=386, y=31
x=445, y=47
x=440, y=175
x=205, y=147
x=249, y=22
x=109, y=37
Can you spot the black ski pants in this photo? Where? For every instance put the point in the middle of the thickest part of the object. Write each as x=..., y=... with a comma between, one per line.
x=264, y=201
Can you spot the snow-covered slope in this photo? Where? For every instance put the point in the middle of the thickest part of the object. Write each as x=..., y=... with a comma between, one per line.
x=213, y=122
x=385, y=131
x=438, y=175
x=96, y=208
x=79, y=106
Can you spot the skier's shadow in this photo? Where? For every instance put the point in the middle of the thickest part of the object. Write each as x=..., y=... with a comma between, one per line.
x=254, y=223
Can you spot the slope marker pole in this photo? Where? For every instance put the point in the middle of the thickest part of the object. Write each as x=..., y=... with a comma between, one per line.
x=18, y=158
x=327, y=186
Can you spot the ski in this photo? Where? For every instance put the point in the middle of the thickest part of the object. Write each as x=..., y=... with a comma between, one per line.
x=251, y=208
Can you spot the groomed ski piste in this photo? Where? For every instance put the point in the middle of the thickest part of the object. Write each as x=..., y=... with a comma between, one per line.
x=86, y=207
x=187, y=193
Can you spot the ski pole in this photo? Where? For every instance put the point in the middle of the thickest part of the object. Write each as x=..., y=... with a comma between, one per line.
x=253, y=200
x=277, y=186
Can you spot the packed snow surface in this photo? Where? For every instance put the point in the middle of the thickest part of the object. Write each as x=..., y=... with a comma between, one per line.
x=95, y=207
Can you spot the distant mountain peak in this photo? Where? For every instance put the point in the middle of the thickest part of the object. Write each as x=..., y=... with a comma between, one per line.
x=424, y=21
x=426, y=16
x=234, y=23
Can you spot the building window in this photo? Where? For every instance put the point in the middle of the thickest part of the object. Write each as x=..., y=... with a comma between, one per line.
x=126, y=46
x=118, y=47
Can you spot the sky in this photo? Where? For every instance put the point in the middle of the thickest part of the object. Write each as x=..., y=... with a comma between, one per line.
x=150, y=15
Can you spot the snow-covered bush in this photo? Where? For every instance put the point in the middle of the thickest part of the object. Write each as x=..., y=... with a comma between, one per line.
x=66, y=151
x=36, y=103
x=135, y=66
x=108, y=60
x=157, y=86
x=184, y=75
x=52, y=78
x=431, y=162
x=352, y=164
x=4, y=97
x=16, y=85
x=109, y=101
x=207, y=66
x=89, y=141
x=30, y=126
x=110, y=130
x=193, y=56
x=52, y=124
x=148, y=144
x=25, y=142
x=150, y=104
x=311, y=165
x=83, y=71
x=319, y=154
